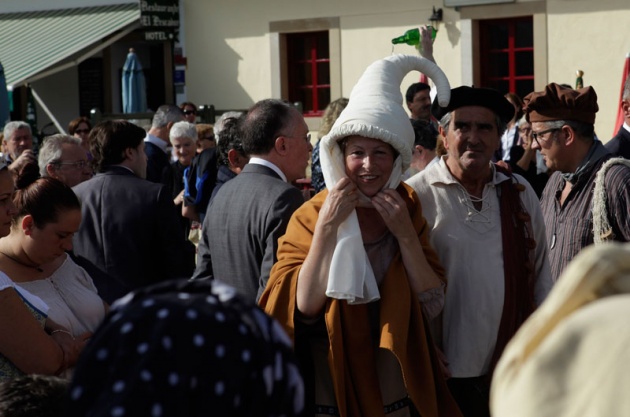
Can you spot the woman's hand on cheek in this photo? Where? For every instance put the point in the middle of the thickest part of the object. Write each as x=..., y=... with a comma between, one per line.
x=340, y=202
x=393, y=210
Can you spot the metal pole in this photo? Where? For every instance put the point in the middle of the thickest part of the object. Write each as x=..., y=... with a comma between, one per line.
x=47, y=111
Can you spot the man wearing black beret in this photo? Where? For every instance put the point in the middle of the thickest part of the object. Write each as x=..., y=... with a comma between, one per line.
x=587, y=199
x=487, y=228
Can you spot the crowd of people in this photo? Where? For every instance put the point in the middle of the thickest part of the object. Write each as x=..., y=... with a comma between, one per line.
x=182, y=271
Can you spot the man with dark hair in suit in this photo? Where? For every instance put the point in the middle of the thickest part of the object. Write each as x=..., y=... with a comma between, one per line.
x=620, y=144
x=157, y=141
x=130, y=235
x=250, y=212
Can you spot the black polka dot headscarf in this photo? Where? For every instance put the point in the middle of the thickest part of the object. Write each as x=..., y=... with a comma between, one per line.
x=187, y=348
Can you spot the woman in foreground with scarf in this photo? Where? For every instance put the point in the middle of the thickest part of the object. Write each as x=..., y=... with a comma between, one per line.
x=356, y=279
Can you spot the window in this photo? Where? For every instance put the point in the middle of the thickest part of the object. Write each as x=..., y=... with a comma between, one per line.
x=308, y=67
x=507, y=54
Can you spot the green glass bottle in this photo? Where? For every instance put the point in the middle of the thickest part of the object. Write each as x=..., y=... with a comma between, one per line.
x=412, y=36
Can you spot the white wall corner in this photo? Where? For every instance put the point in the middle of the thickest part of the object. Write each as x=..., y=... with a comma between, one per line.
x=467, y=51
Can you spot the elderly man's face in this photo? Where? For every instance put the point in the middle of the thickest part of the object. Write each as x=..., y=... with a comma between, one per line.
x=20, y=141
x=299, y=146
x=73, y=167
x=551, y=148
x=471, y=141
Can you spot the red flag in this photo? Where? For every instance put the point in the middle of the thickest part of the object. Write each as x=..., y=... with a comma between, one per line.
x=424, y=79
x=624, y=76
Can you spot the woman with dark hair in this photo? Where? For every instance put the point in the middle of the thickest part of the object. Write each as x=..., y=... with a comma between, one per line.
x=205, y=137
x=190, y=111
x=510, y=137
x=25, y=346
x=80, y=128
x=34, y=255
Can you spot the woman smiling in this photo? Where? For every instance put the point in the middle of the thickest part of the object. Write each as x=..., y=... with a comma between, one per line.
x=356, y=279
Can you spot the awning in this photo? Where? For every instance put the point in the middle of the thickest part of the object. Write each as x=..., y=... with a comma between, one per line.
x=37, y=44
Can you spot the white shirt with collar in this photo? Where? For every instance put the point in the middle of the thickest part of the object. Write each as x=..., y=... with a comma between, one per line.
x=468, y=243
x=264, y=162
x=157, y=142
x=433, y=162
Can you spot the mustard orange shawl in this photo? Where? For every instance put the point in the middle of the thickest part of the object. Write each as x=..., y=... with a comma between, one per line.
x=402, y=327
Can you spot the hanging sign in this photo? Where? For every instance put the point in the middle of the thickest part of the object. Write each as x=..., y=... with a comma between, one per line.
x=162, y=14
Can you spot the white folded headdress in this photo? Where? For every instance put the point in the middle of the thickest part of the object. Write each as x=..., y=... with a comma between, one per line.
x=569, y=358
x=375, y=110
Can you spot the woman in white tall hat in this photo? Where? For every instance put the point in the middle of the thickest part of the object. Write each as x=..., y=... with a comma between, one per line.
x=356, y=279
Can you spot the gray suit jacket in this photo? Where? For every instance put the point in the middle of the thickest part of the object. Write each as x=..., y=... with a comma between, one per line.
x=130, y=235
x=242, y=226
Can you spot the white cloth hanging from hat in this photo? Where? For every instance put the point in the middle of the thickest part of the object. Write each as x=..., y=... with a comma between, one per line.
x=351, y=277
x=375, y=110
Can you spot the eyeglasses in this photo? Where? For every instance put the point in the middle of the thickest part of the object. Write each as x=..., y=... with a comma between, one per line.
x=79, y=131
x=307, y=138
x=77, y=164
x=537, y=135
x=187, y=112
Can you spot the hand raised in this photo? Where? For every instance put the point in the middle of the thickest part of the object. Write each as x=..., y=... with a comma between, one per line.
x=426, y=48
x=527, y=142
x=341, y=200
x=393, y=210
x=26, y=157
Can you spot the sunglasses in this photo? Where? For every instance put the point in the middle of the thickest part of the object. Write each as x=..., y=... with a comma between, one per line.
x=187, y=112
x=79, y=131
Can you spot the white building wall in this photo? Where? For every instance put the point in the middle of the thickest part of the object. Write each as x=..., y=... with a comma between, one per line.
x=230, y=50
x=231, y=62
x=593, y=37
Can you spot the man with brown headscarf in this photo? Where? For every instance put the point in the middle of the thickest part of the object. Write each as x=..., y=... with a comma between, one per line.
x=586, y=199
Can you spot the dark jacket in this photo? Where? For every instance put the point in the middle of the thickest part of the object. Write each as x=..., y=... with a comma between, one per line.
x=620, y=144
x=130, y=235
